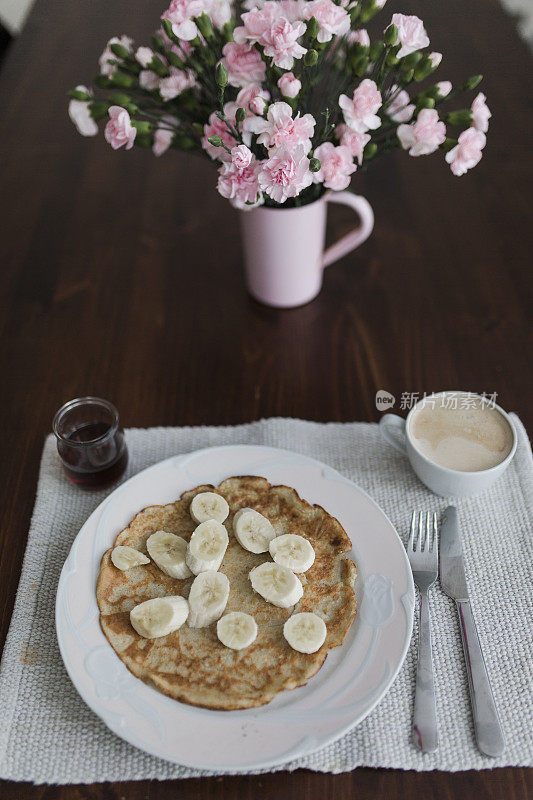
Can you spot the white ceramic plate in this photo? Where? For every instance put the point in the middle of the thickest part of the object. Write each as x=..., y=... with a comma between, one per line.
x=353, y=679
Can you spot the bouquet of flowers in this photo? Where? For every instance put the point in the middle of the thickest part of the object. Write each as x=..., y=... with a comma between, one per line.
x=288, y=97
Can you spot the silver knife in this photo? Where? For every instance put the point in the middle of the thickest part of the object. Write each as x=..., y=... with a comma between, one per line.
x=487, y=726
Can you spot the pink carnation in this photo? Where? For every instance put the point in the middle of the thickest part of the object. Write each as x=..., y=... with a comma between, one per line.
x=333, y=20
x=257, y=23
x=360, y=36
x=399, y=109
x=143, y=56
x=79, y=113
x=480, y=113
x=444, y=88
x=119, y=131
x=360, y=111
x=176, y=83
x=285, y=174
x=237, y=180
x=423, y=136
x=411, y=34
x=280, y=129
x=148, y=80
x=336, y=166
x=435, y=59
x=162, y=140
x=467, y=153
x=216, y=127
x=243, y=63
x=277, y=35
x=280, y=43
x=105, y=67
x=253, y=98
x=355, y=142
x=288, y=85
x=181, y=14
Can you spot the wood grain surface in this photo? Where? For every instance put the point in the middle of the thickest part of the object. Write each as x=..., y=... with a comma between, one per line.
x=121, y=276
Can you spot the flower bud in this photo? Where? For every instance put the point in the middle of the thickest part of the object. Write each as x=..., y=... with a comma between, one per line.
x=142, y=126
x=203, y=23
x=312, y=28
x=227, y=30
x=221, y=75
x=157, y=66
x=77, y=94
x=157, y=43
x=375, y=51
x=175, y=60
x=423, y=68
x=314, y=165
x=98, y=109
x=215, y=140
x=448, y=144
x=408, y=76
x=119, y=50
x=426, y=102
x=412, y=59
x=370, y=151
x=392, y=59
x=472, y=82
x=463, y=118
x=119, y=99
x=124, y=81
x=240, y=115
x=167, y=27
x=310, y=58
x=360, y=65
x=102, y=81
x=391, y=35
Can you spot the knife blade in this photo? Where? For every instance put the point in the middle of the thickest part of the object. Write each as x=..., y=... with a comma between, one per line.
x=489, y=736
x=452, y=570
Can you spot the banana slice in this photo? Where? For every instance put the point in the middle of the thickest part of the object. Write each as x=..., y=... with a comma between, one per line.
x=160, y=616
x=237, y=630
x=292, y=551
x=168, y=551
x=305, y=632
x=276, y=584
x=252, y=530
x=208, y=598
x=124, y=557
x=209, y=505
x=206, y=547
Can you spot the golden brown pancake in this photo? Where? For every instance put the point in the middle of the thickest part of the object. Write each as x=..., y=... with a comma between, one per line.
x=191, y=664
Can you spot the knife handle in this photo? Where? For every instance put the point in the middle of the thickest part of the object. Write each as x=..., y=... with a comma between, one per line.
x=425, y=733
x=487, y=726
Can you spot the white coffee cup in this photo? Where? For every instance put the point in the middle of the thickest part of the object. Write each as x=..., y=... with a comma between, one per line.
x=440, y=479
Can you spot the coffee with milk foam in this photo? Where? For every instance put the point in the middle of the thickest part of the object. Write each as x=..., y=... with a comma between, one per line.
x=469, y=438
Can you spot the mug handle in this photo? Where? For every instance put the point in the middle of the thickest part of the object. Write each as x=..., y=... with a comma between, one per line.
x=392, y=422
x=351, y=240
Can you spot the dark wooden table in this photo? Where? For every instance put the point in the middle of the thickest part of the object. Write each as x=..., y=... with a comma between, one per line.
x=121, y=277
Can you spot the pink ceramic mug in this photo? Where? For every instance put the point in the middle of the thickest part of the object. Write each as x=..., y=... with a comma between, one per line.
x=284, y=248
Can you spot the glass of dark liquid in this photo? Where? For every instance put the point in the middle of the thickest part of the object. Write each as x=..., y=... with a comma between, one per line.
x=90, y=442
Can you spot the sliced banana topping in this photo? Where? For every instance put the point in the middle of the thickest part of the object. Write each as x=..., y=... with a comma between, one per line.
x=276, y=584
x=209, y=505
x=237, y=630
x=168, y=551
x=305, y=632
x=160, y=616
x=124, y=557
x=208, y=598
x=206, y=547
x=252, y=530
x=293, y=551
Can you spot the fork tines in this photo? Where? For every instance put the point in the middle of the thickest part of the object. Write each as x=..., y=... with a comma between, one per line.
x=423, y=536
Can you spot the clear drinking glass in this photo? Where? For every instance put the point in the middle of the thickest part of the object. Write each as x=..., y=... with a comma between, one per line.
x=90, y=442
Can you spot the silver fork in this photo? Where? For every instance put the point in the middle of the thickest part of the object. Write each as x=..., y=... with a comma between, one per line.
x=423, y=553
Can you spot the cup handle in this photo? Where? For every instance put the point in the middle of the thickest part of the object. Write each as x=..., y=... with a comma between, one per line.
x=351, y=240
x=390, y=426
